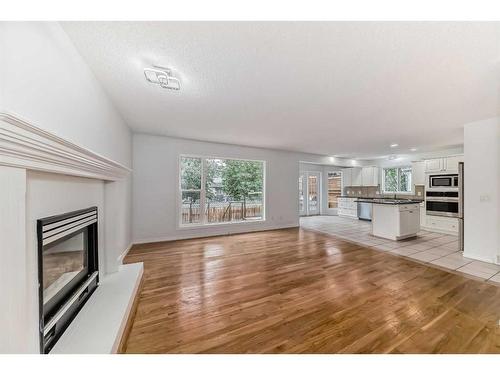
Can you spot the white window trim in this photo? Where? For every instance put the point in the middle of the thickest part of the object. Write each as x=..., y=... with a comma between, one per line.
x=398, y=192
x=203, y=223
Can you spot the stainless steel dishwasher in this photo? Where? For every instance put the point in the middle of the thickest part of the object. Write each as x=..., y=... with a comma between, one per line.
x=365, y=211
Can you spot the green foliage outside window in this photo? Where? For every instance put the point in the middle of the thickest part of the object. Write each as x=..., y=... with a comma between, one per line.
x=397, y=180
x=233, y=189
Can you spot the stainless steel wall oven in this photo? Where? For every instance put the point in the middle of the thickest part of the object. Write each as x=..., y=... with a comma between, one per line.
x=442, y=203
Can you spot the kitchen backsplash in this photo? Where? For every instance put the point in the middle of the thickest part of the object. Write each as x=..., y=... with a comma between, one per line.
x=362, y=191
x=376, y=192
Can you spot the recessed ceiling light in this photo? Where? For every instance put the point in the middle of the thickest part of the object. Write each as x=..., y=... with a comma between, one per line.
x=394, y=145
x=413, y=149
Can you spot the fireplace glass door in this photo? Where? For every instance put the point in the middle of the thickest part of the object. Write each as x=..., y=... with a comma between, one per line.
x=63, y=262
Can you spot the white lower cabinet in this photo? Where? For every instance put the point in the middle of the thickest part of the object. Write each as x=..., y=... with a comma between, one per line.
x=395, y=222
x=347, y=207
x=441, y=224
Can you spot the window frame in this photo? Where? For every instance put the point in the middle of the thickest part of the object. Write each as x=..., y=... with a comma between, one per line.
x=203, y=222
x=398, y=191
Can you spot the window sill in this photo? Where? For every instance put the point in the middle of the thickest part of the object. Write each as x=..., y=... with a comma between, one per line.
x=218, y=225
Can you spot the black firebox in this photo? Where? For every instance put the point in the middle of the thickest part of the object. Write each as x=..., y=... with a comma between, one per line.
x=67, y=270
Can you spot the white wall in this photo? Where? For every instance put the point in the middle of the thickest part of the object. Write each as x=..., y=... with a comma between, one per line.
x=44, y=80
x=482, y=190
x=155, y=187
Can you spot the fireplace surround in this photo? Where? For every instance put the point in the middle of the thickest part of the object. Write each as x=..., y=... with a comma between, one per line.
x=67, y=270
x=42, y=174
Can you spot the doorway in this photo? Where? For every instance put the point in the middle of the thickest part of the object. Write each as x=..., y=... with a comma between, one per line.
x=334, y=186
x=309, y=193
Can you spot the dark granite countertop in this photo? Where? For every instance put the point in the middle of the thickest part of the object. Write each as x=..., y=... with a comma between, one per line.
x=389, y=201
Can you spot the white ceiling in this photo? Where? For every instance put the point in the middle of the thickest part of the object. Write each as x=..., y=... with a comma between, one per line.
x=336, y=88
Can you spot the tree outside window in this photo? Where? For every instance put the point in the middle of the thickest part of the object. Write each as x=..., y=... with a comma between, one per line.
x=397, y=180
x=233, y=190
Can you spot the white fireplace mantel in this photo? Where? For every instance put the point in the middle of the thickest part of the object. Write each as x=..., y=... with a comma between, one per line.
x=24, y=145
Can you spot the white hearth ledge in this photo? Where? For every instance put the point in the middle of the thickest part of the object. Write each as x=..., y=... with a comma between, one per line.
x=98, y=327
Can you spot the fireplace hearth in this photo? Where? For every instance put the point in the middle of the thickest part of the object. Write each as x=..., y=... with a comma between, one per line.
x=67, y=270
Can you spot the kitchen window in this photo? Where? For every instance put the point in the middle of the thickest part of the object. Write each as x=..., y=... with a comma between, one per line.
x=220, y=191
x=397, y=180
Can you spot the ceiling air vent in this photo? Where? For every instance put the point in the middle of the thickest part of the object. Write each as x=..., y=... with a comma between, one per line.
x=162, y=77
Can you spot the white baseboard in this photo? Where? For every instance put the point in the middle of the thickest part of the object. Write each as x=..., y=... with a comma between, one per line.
x=188, y=236
x=125, y=252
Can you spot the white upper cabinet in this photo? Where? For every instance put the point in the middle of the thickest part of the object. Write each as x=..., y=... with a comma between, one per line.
x=448, y=164
x=418, y=172
x=434, y=165
x=346, y=177
x=369, y=176
x=452, y=163
x=357, y=179
x=366, y=176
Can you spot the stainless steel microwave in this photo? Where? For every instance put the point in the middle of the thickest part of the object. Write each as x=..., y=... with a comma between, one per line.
x=443, y=181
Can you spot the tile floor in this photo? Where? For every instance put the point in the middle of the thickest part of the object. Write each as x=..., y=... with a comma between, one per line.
x=428, y=247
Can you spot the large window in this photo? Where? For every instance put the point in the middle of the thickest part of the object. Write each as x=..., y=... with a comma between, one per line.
x=214, y=190
x=397, y=180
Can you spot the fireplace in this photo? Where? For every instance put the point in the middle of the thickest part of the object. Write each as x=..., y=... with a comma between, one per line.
x=67, y=270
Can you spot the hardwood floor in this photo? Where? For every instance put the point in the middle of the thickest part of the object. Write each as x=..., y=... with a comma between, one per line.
x=299, y=291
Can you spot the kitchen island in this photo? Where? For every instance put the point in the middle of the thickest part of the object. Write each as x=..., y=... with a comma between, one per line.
x=394, y=219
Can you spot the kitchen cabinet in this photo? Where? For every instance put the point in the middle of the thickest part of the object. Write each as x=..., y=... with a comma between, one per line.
x=369, y=176
x=395, y=222
x=441, y=224
x=347, y=207
x=434, y=165
x=448, y=164
x=418, y=172
x=346, y=177
x=357, y=179
x=452, y=163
